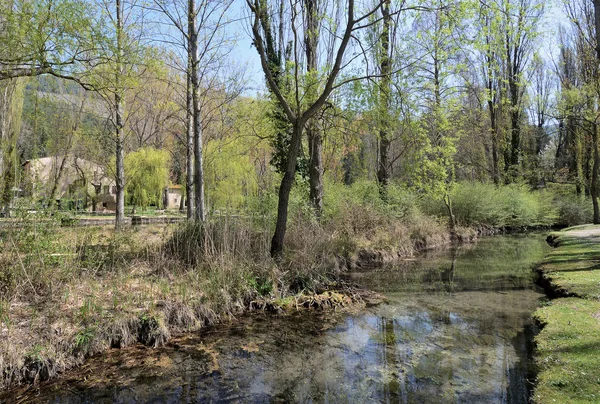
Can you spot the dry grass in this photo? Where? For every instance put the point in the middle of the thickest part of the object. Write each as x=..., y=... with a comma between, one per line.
x=67, y=293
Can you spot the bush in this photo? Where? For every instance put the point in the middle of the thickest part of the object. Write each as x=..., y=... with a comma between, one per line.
x=476, y=204
x=339, y=198
x=574, y=210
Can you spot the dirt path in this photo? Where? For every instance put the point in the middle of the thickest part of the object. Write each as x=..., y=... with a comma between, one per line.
x=587, y=232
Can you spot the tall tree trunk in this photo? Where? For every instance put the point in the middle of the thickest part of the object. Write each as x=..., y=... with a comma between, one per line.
x=383, y=171
x=120, y=141
x=57, y=178
x=578, y=159
x=594, y=185
x=570, y=153
x=513, y=152
x=451, y=217
x=515, y=141
x=9, y=178
x=284, y=191
x=595, y=167
x=4, y=119
x=493, y=124
x=315, y=144
x=189, y=122
x=495, y=159
x=313, y=129
x=199, y=213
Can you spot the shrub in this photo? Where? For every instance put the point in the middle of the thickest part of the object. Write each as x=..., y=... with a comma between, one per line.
x=573, y=210
x=476, y=204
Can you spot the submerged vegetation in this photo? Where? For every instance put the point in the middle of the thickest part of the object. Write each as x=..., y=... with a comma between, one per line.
x=424, y=344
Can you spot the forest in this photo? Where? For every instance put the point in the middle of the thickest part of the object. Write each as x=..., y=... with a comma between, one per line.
x=292, y=139
x=428, y=98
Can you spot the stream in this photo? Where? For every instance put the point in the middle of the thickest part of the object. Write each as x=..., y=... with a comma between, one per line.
x=456, y=328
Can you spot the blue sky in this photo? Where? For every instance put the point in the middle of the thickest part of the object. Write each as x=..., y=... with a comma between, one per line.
x=244, y=53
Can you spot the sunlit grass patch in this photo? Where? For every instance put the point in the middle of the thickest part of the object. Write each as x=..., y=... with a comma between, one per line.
x=568, y=346
x=568, y=352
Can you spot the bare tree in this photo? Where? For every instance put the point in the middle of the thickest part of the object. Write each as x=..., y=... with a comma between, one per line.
x=201, y=34
x=296, y=104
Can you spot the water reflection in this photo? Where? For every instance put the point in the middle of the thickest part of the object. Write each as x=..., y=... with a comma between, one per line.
x=455, y=330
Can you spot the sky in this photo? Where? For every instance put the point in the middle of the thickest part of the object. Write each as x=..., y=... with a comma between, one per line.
x=244, y=53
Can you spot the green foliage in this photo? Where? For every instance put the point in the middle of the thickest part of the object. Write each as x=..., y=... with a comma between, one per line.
x=401, y=201
x=229, y=174
x=147, y=173
x=574, y=210
x=47, y=33
x=84, y=337
x=262, y=285
x=435, y=174
x=477, y=204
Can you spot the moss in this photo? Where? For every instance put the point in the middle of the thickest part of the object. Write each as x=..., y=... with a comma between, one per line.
x=568, y=354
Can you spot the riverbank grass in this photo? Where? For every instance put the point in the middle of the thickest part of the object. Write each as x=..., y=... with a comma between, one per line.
x=67, y=293
x=568, y=346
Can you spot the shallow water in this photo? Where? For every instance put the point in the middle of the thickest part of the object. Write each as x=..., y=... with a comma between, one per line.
x=456, y=329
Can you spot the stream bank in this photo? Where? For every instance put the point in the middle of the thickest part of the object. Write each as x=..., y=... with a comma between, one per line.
x=456, y=327
x=567, y=347
x=88, y=290
x=67, y=294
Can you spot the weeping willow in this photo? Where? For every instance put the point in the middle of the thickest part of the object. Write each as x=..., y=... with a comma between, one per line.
x=11, y=111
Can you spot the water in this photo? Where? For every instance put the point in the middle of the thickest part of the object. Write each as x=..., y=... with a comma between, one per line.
x=456, y=328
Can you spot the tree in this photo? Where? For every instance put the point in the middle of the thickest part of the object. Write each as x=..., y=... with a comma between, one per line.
x=66, y=149
x=11, y=106
x=147, y=171
x=595, y=127
x=489, y=47
x=297, y=106
x=570, y=148
x=519, y=30
x=201, y=35
x=384, y=94
x=313, y=130
x=440, y=41
x=581, y=91
x=56, y=37
x=125, y=56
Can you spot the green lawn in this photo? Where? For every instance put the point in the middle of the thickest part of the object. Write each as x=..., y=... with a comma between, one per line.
x=568, y=347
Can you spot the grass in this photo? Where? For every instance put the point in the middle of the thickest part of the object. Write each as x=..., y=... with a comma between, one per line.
x=568, y=346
